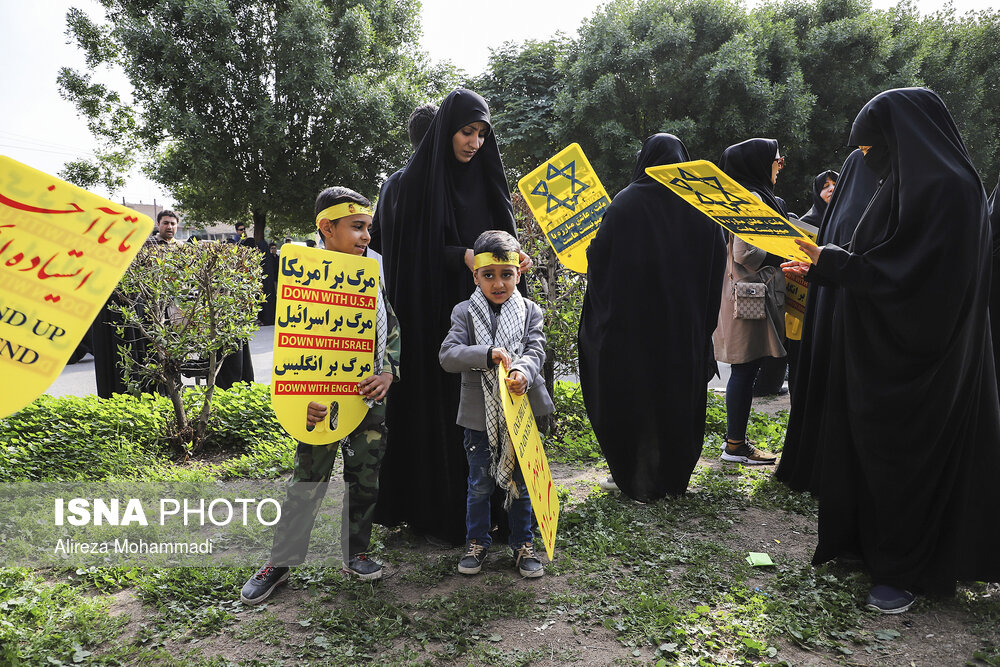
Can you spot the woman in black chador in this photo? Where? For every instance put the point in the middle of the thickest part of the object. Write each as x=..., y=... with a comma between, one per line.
x=800, y=458
x=911, y=422
x=994, y=207
x=653, y=286
x=824, y=185
x=452, y=189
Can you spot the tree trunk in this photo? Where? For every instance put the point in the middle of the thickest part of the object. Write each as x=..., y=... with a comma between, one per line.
x=201, y=426
x=259, y=220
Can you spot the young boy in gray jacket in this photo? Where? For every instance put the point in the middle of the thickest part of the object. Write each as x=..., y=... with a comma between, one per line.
x=496, y=325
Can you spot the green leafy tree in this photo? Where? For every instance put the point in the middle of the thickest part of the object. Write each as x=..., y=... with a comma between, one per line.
x=520, y=84
x=704, y=70
x=188, y=301
x=251, y=107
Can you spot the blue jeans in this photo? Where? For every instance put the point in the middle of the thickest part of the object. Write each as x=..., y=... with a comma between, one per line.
x=481, y=485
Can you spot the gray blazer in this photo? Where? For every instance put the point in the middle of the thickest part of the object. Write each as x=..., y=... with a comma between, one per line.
x=460, y=354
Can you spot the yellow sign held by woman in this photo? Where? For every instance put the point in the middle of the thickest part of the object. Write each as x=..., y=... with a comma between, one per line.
x=534, y=464
x=707, y=188
x=324, y=340
x=62, y=252
x=568, y=201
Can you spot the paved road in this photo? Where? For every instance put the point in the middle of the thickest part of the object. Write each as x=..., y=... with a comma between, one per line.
x=79, y=380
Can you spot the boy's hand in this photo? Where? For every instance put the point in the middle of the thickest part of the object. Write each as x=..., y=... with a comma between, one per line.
x=517, y=383
x=315, y=413
x=375, y=387
x=501, y=356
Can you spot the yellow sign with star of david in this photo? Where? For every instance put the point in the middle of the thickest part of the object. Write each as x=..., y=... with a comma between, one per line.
x=568, y=201
x=707, y=188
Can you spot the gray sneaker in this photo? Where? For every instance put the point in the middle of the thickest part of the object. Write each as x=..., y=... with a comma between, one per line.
x=475, y=556
x=889, y=600
x=363, y=567
x=260, y=586
x=526, y=562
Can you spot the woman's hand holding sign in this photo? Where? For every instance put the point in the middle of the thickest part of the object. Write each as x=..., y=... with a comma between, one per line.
x=795, y=267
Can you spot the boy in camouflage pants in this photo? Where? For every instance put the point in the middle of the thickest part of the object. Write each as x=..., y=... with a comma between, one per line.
x=363, y=449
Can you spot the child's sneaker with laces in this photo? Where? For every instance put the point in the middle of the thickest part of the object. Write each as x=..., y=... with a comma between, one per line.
x=745, y=453
x=363, y=567
x=475, y=556
x=526, y=562
x=260, y=586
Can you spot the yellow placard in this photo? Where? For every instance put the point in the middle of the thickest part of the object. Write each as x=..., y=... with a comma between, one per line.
x=796, y=292
x=705, y=186
x=324, y=340
x=62, y=252
x=534, y=464
x=568, y=201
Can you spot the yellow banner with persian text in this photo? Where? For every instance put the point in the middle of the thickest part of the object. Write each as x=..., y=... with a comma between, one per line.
x=324, y=340
x=534, y=464
x=707, y=188
x=568, y=201
x=62, y=252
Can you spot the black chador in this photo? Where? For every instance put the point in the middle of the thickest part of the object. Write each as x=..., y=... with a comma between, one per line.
x=440, y=207
x=654, y=282
x=800, y=457
x=910, y=429
x=814, y=216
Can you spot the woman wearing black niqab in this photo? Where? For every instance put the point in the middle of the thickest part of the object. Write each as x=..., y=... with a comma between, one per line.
x=801, y=459
x=912, y=409
x=445, y=199
x=653, y=286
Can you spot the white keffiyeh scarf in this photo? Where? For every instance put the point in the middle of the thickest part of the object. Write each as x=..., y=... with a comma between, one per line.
x=509, y=335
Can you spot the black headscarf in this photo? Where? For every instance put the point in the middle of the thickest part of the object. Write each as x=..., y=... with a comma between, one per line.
x=815, y=214
x=749, y=164
x=912, y=417
x=440, y=207
x=801, y=459
x=654, y=280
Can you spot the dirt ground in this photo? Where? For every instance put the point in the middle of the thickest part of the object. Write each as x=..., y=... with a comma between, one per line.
x=929, y=638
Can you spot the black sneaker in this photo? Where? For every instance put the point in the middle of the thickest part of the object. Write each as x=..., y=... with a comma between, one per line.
x=889, y=600
x=747, y=454
x=475, y=556
x=258, y=587
x=363, y=567
x=526, y=562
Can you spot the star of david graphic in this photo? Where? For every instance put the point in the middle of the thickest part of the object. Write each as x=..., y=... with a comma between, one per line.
x=730, y=201
x=576, y=187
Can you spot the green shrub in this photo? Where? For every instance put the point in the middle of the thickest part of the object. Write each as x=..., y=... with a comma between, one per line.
x=83, y=437
x=89, y=438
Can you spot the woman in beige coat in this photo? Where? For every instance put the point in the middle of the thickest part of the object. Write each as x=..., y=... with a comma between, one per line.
x=745, y=343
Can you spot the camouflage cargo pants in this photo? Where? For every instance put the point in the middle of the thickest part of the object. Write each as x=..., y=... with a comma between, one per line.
x=307, y=486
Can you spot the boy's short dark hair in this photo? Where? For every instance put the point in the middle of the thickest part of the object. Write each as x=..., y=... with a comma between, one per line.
x=167, y=212
x=419, y=121
x=497, y=242
x=238, y=225
x=339, y=195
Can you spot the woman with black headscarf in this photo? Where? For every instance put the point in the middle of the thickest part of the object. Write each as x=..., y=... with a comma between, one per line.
x=452, y=189
x=745, y=343
x=801, y=459
x=912, y=406
x=654, y=280
x=823, y=188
